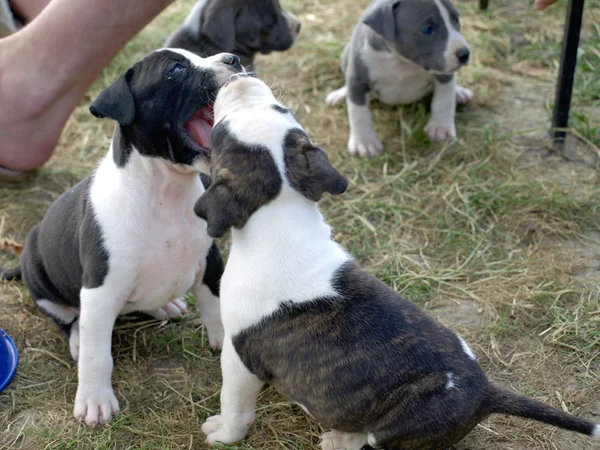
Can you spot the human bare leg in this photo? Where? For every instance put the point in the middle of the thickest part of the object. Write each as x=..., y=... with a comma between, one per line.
x=47, y=66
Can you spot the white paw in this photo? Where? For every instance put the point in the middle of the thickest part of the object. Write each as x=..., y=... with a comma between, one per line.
x=463, y=95
x=97, y=407
x=367, y=144
x=74, y=341
x=215, y=331
x=173, y=310
x=440, y=131
x=335, y=440
x=336, y=97
x=216, y=431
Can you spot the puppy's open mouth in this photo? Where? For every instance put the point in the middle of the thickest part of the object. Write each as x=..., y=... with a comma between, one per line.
x=199, y=128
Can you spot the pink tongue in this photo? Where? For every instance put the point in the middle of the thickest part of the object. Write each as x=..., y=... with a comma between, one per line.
x=199, y=130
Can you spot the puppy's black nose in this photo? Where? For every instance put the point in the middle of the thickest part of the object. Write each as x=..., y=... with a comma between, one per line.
x=233, y=61
x=463, y=55
x=298, y=27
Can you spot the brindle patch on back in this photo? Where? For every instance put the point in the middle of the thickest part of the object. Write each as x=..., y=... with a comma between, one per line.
x=244, y=178
x=369, y=360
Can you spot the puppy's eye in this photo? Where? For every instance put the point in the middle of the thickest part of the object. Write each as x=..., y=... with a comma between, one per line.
x=175, y=69
x=428, y=30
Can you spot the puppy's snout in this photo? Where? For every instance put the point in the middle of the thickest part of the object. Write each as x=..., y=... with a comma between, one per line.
x=463, y=55
x=233, y=61
x=298, y=26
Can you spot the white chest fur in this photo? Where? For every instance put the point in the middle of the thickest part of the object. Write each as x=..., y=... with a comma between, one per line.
x=283, y=254
x=395, y=80
x=153, y=237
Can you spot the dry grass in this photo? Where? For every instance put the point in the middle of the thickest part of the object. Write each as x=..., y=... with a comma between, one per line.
x=496, y=234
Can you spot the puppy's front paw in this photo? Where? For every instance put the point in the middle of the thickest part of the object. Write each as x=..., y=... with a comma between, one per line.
x=172, y=310
x=216, y=431
x=440, y=131
x=96, y=408
x=463, y=95
x=366, y=144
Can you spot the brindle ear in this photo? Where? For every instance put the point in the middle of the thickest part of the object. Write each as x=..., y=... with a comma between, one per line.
x=382, y=19
x=308, y=169
x=218, y=207
x=218, y=23
x=116, y=101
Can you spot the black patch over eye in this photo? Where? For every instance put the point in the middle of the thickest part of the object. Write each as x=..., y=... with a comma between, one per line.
x=175, y=69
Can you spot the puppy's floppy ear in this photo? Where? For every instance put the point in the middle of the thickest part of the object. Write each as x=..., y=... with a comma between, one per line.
x=218, y=207
x=308, y=169
x=219, y=25
x=116, y=101
x=382, y=19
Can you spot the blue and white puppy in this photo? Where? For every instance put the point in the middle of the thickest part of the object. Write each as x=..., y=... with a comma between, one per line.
x=300, y=314
x=126, y=238
x=400, y=51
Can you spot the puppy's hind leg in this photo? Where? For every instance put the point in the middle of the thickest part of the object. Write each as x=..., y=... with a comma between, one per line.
x=337, y=440
x=67, y=318
x=463, y=95
x=336, y=97
x=172, y=310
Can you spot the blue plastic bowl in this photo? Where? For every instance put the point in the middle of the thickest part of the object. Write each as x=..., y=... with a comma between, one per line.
x=9, y=358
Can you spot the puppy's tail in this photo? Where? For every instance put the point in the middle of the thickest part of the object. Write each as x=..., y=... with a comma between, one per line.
x=10, y=274
x=503, y=401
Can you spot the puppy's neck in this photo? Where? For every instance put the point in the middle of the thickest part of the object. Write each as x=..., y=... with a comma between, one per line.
x=156, y=173
x=288, y=225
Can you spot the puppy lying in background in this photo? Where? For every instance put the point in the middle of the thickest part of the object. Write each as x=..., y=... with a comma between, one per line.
x=300, y=314
x=126, y=238
x=242, y=27
x=400, y=51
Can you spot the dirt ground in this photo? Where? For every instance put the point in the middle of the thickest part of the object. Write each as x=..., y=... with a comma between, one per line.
x=497, y=234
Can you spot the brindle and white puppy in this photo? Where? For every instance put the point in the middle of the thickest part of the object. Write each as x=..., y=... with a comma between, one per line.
x=400, y=51
x=300, y=314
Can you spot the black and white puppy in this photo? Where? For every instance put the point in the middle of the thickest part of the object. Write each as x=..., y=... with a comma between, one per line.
x=400, y=51
x=126, y=238
x=300, y=314
x=241, y=27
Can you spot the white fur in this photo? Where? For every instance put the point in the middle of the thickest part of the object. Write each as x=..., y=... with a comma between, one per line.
x=238, y=400
x=372, y=441
x=74, y=341
x=63, y=314
x=443, y=106
x=455, y=40
x=337, y=440
x=467, y=349
x=336, y=97
x=452, y=382
x=394, y=79
x=210, y=310
x=596, y=432
x=363, y=139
